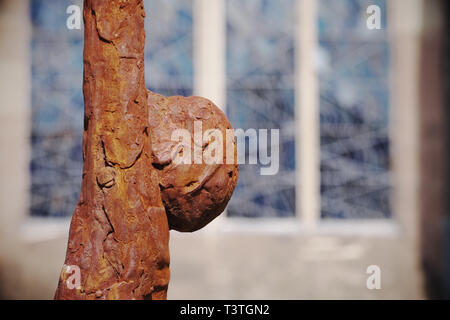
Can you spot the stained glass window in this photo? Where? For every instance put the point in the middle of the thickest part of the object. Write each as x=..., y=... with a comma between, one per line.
x=260, y=95
x=57, y=109
x=354, y=111
x=353, y=65
x=57, y=99
x=169, y=67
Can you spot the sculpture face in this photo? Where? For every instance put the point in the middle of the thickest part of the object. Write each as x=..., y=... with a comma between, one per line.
x=193, y=194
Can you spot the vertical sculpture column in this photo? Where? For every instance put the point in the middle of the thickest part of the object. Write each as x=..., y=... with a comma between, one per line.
x=119, y=232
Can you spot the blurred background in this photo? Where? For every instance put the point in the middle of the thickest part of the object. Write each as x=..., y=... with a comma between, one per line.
x=362, y=115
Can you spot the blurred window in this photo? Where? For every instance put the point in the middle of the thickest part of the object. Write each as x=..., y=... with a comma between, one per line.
x=353, y=68
x=169, y=67
x=57, y=110
x=260, y=95
x=354, y=111
x=57, y=98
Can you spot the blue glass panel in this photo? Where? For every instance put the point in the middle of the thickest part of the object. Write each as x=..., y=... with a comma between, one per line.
x=57, y=109
x=260, y=95
x=57, y=99
x=168, y=66
x=354, y=109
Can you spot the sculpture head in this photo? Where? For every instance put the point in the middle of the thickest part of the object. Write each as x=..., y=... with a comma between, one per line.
x=193, y=193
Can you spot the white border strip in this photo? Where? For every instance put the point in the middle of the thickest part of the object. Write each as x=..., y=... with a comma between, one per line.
x=290, y=226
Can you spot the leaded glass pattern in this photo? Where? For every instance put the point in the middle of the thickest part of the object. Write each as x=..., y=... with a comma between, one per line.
x=260, y=95
x=57, y=99
x=169, y=67
x=57, y=109
x=354, y=100
x=354, y=109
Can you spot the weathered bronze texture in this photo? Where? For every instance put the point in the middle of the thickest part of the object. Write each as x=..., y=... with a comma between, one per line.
x=130, y=197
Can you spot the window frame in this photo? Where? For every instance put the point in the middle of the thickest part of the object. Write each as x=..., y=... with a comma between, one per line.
x=211, y=42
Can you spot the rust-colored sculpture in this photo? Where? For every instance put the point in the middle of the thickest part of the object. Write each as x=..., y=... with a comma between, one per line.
x=132, y=192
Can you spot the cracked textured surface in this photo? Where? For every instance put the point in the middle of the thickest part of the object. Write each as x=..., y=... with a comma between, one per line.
x=193, y=194
x=119, y=234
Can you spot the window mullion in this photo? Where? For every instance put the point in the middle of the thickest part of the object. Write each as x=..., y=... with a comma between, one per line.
x=307, y=142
